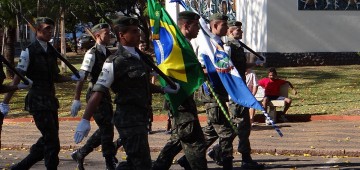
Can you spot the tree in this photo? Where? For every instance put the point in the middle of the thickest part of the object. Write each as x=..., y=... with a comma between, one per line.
x=9, y=18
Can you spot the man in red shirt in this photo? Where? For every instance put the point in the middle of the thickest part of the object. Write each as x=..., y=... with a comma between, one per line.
x=272, y=86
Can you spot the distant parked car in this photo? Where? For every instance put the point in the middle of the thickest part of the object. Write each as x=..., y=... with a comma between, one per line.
x=85, y=42
x=57, y=43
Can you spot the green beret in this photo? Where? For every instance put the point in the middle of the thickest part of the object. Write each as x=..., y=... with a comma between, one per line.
x=234, y=23
x=218, y=16
x=188, y=15
x=126, y=21
x=44, y=20
x=100, y=26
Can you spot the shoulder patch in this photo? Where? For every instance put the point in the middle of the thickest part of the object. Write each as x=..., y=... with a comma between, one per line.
x=91, y=50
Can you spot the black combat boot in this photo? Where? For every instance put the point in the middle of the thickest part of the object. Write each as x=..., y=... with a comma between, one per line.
x=110, y=162
x=215, y=154
x=79, y=158
x=183, y=162
x=248, y=163
x=26, y=163
x=228, y=163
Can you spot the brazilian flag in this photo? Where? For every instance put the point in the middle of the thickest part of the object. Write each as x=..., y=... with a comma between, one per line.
x=174, y=55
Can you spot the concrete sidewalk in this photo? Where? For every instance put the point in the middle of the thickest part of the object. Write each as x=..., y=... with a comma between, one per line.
x=327, y=136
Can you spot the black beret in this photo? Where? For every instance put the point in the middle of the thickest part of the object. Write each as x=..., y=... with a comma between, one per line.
x=44, y=20
x=218, y=16
x=188, y=15
x=100, y=26
x=126, y=21
x=234, y=23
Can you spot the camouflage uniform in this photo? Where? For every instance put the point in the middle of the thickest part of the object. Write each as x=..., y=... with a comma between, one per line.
x=187, y=135
x=104, y=114
x=132, y=88
x=43, y=105
x=218, y=126
x=238, y=113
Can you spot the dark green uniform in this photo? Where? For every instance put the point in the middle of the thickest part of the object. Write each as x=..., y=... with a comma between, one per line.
x=42, y=103
x=104, y=114
x=132, y=88
x=218, y=126
x=187, y=135
x=239, y=114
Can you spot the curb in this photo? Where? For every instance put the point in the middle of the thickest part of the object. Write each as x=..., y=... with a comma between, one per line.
x=253, y=151
x=202, y=118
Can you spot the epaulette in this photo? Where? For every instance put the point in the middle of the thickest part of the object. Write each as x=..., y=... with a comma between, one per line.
x=123, y=52
x=110, y=58
x=91, y=50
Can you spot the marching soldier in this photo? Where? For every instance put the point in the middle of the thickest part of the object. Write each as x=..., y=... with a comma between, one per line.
x=39, y=63
x=218, y=126
x=187, y=133
x=92, y=65
x=126, y=74
x=239, y=114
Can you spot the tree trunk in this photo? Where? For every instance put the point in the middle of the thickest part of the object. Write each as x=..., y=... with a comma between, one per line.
x=41, y=8
x=9, y=48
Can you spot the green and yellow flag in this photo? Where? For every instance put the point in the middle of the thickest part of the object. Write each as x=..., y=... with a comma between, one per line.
x=174, y=55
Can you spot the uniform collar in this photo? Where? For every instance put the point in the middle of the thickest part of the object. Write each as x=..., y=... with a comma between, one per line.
x=132, y=51
x=102, y=48
x=43, y=44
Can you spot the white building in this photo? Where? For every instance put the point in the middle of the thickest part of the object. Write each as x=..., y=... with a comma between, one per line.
x=298, y=37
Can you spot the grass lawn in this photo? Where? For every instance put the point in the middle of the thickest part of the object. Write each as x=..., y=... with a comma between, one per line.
x=321, y=90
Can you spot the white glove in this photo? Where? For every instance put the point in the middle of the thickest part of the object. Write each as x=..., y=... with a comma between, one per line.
x=24, y=86
x=259, y=62
x=170, y=90
x=75, y=107
x=4, y=108
x=82, y=130
x=81, y=74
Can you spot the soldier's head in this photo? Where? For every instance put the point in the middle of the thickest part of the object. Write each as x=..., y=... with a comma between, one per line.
x=218, y=24
x=188, y=23
x=127, y=28
x=235, y=29
x=44, y=28
x=102, y=33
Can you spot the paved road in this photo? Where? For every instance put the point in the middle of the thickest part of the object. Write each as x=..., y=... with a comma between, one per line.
x=317, y=143
x=276, y=162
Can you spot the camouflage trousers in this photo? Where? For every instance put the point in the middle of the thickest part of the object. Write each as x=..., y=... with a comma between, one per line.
x=219, y=127
x=136, y=145
x=104, y=135
x=241, y=118
x=48, y=145
x=187, y=136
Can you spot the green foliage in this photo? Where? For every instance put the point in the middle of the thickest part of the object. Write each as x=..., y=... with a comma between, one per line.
x=321, y=90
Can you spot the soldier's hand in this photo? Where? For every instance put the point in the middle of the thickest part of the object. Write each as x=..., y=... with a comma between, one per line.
x=25, y=86
x=170, y=90
x=81, y=78
x=82, y=130
x=75, y=107
x=4, y=108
